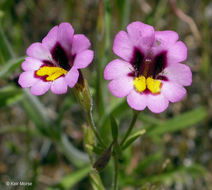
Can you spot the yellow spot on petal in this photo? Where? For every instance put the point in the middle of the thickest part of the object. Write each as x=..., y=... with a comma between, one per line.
x=140, y=83
x=51, y=73
x=153, y=85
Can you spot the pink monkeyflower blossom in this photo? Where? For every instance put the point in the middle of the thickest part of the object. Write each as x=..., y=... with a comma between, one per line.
x=55, y=62
x=149, y=71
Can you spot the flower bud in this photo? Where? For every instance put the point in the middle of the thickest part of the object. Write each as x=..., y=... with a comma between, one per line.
x=82, y=93
x=103, y=160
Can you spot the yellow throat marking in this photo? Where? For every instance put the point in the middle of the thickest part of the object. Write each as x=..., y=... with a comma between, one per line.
x=52, y=73
x=141, y=84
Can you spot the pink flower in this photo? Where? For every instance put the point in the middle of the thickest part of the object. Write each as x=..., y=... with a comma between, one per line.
x=54, y=63
x=149, y=72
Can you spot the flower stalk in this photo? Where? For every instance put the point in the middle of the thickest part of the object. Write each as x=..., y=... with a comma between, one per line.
x=116, y=172
x=83, y=95
x=135, y=116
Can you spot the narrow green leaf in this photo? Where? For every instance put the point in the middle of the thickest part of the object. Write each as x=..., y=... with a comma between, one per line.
x=123, y=7
x=180, y=122
x=132, y=138
x=70, y=180
x=114, y=128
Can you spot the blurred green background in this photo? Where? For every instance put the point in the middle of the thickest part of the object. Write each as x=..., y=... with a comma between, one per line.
x=41, y=138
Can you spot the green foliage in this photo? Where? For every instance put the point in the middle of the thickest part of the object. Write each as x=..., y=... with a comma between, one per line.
x=10, y=67
x=70, y=180
x=114, y=128
x=5, y=48
x=169, y=176
x=96, y=182
x=10, y=95
x=180, y=122
x=60, y=121
x=132, y=138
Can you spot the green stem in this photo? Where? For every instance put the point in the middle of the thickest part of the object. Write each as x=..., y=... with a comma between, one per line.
x=93, y=127
x=135, y=116
x=116, y=168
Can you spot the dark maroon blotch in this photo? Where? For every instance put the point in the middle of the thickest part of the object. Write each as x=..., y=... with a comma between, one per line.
x=160, y=77
x=60, y=56
x=137, y=61
x=159, y=62
x=47, y=63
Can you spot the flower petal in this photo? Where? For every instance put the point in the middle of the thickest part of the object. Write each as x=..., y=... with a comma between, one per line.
x=121, y=87
x=38, y=51
x=157, y=103
x=177, y=53
x=59, y=86
x=40, y=88
x=166, y=37
x=65, y=36
x=80, y=43
x=117, y=68
x=27, y=79
x=51, y=38
x=31, y=64
x=137, y=101
x=83, y=59
x=179, y=73
x=122, y=46
x=173, y=91
x=71, y=77
x=141, y=35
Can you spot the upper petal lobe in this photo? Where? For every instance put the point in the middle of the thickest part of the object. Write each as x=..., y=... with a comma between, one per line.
x=179, y=73
x=177, y=53
x=80, y=43
x=166, y=38
x=141, y=35
x=123, y=46
x=65, y=36
x=31, y=64
x=83, y=59
x=38, y=51
x=51, y=38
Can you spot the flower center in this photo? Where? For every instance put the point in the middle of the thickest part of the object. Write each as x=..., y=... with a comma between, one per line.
x=49, y=73
x=141, y=84
x=148, y=65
